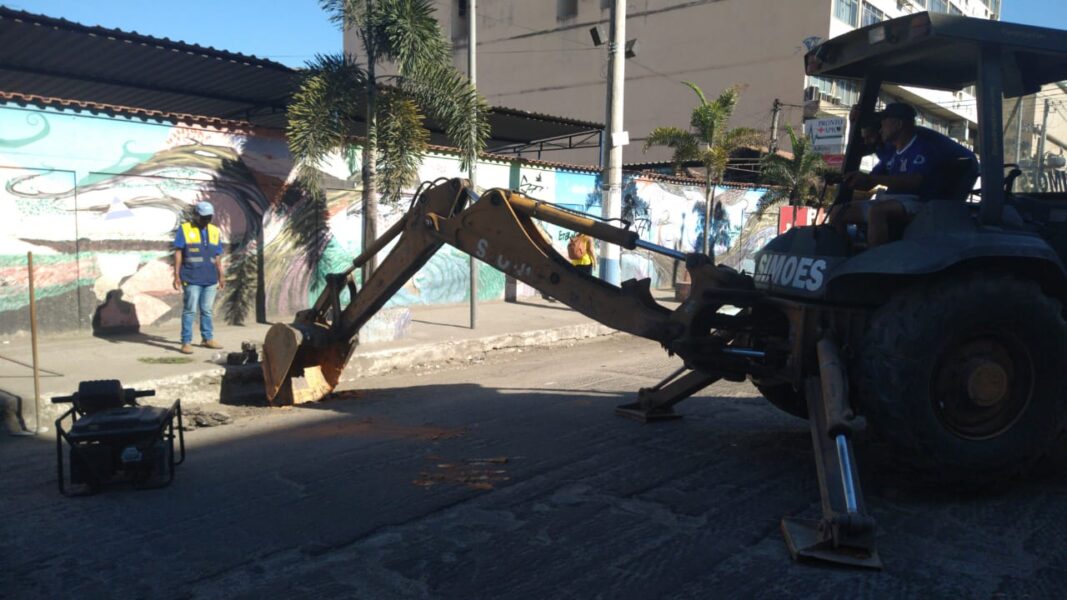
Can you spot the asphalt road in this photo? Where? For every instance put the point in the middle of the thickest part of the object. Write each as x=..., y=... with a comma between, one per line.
x=511, y=478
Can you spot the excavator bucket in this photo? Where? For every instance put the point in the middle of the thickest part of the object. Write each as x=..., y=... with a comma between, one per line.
x=295, y=372
x=302, y=362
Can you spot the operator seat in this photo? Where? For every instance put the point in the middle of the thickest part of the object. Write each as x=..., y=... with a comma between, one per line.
x=956, y=183
x=957, y=180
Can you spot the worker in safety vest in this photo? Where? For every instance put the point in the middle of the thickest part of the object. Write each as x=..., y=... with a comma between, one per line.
x=198, y=273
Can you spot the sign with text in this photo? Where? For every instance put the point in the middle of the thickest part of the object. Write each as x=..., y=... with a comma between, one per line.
x=828, y=136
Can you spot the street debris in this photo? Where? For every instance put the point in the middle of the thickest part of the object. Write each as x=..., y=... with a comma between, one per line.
x=165, y=360
x=195, y=418
x=473, y=473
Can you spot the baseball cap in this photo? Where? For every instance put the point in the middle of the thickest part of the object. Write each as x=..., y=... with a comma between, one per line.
x=204, y=209
x=897, y=110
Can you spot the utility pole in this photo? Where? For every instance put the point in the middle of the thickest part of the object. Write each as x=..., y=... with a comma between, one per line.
x=1019, y=132
x=776, y=111
x=1039, y=171
x=472, y=73
x=611, y=207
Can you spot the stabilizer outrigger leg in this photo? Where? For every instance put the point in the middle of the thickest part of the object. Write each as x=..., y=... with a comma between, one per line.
x=657, y=402
x=845, y=533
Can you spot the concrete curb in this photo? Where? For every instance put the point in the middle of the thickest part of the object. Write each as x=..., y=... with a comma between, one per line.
x=243, y=384
x=384, y=361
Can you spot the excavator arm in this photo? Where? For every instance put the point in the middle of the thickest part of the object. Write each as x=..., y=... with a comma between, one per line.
x=303, y=361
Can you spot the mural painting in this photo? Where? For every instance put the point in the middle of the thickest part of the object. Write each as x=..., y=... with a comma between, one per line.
x=97, y=199
x=672, y=214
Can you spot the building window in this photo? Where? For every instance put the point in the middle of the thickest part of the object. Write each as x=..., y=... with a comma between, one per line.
x=871, y=15
x=566, y=9
x=847, y=11
x=459, y=20
x=606, y=4
x=939, y=6
x=836, y=91
x=848, y=91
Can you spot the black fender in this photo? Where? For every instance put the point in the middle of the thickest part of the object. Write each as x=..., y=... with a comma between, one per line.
x=873, y=275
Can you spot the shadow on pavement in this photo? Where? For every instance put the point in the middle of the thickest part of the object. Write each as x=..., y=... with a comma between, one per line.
x=156, y=341
x=555, y=305
x=476, y=491
x=438, y=323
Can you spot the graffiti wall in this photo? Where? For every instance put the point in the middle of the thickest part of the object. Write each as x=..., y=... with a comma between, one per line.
x=673, y=215
x=97, y=199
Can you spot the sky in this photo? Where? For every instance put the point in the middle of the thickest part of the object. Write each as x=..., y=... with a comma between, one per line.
x=294, y=31
x=291, y=32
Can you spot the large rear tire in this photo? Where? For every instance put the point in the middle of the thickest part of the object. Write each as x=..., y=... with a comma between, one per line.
x=965, y=380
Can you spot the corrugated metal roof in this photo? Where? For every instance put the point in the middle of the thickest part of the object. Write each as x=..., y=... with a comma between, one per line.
x=124, y=111
x=54, y=58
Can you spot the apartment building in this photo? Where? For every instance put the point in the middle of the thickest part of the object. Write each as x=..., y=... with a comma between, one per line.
x=539, y=56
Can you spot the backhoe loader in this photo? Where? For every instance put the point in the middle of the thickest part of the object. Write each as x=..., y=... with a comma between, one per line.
x=949, y=340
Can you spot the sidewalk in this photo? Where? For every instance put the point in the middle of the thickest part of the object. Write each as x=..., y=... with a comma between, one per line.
x=435, y=335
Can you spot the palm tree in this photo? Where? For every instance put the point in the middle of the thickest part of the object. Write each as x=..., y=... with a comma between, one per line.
x=708, y=141
x=795, y=178
x=336, y=92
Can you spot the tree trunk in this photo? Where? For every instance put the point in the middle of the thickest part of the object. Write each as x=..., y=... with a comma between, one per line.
x=370, y=157
x=709, y=205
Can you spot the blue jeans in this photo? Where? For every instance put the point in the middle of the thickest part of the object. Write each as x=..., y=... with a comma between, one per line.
x=202, y=296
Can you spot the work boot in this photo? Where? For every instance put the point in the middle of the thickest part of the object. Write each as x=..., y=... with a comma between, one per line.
x=187, y=349
x=211, y=344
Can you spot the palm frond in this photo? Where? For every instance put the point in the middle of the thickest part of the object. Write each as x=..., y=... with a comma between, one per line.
x=402, y=140
x=305, y=203
x=798, y=177
x=346, y=14
x=696, y=89
x=709, y=119
x=446, y=97
x=705, y=121
x=716, y=159
x=241, y=285
x=323, y=108
x=684, y=145
x=727, y=100
x=410, y=34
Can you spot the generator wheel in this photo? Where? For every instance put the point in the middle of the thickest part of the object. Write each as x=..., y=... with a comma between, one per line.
x=783, y=396
x=965, y=380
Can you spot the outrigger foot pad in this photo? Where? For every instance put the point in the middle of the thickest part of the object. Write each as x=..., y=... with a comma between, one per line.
x=637, y=412
x=809, y=540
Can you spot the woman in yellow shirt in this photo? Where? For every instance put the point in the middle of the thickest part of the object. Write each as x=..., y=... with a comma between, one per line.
x=586, y=263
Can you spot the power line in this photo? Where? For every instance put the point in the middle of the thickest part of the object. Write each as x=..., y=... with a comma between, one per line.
x=480, y=52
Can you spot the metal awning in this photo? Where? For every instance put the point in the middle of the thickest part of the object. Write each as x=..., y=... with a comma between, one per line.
x=44, y=56
x=54, y=58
